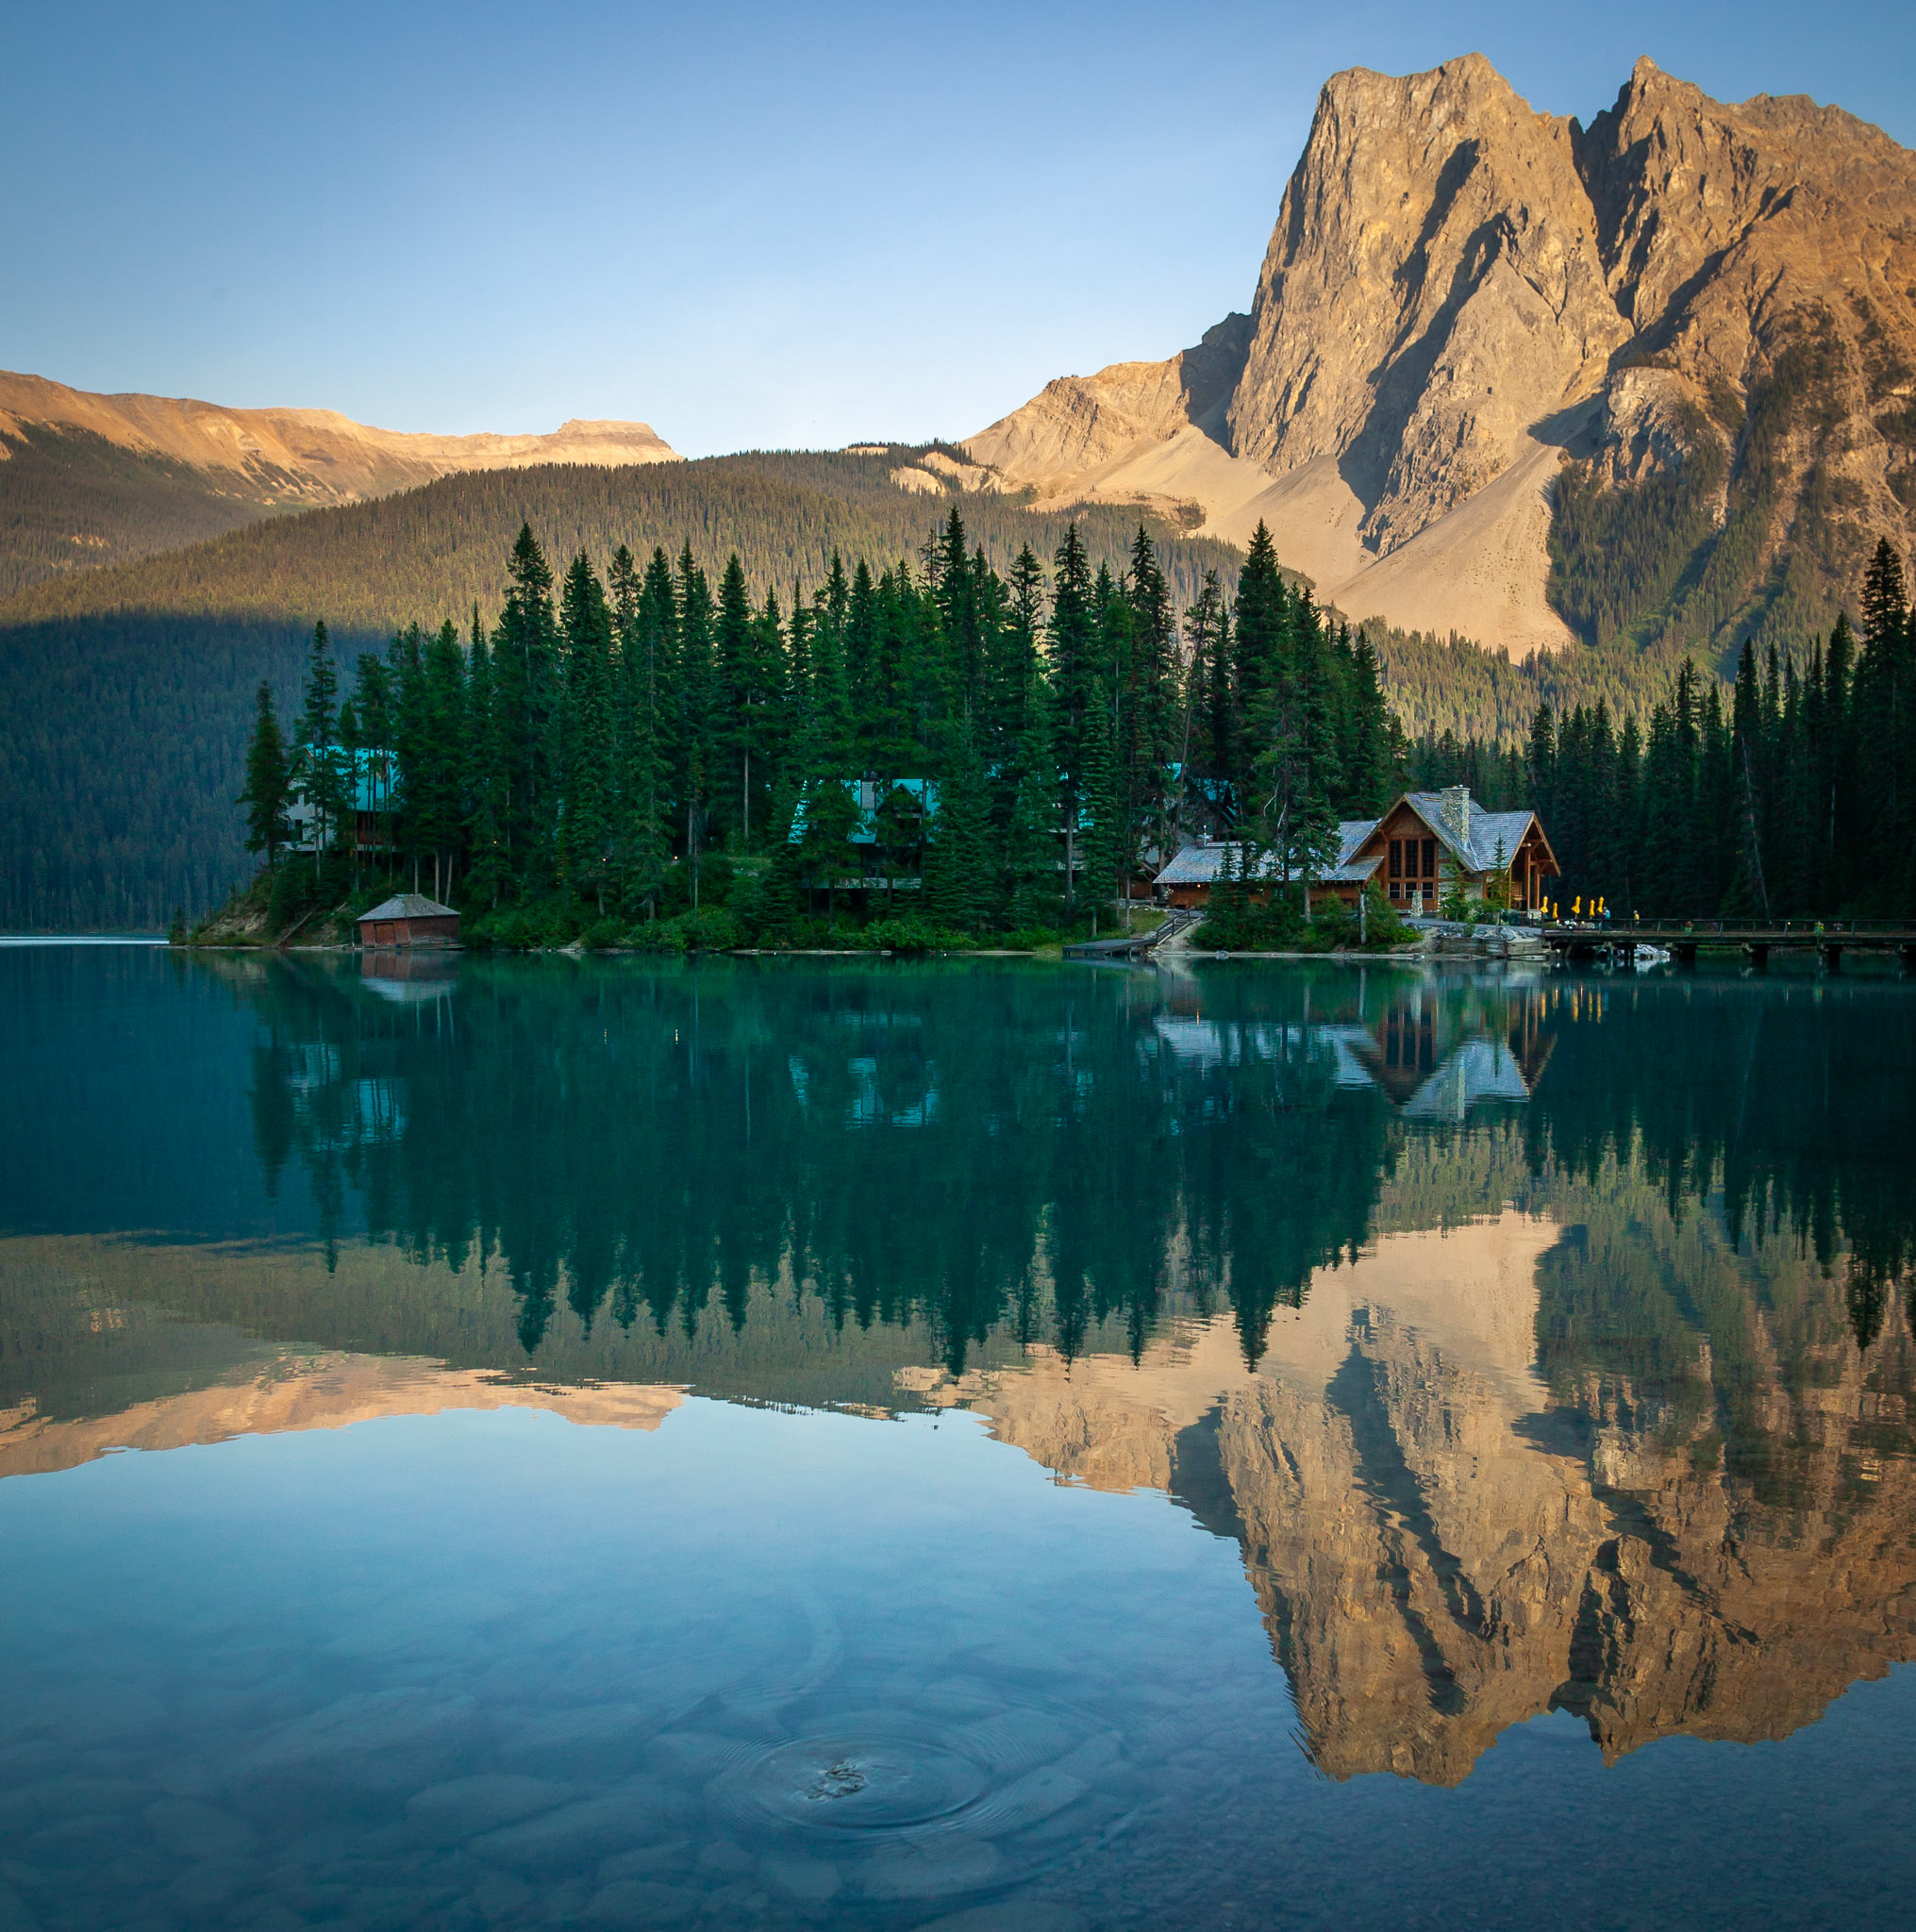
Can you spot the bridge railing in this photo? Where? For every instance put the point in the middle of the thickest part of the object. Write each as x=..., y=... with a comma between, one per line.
x=1620, y=930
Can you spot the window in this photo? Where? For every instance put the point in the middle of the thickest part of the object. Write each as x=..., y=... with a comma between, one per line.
x=1396, y=862
x=1430, y=858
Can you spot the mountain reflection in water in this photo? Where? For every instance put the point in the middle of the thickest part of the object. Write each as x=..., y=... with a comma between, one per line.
x=1543, y=1341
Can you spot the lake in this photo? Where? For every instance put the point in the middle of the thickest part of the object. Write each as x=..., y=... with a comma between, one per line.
x=991, y=1445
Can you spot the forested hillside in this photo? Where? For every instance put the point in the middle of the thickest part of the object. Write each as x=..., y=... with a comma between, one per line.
x=128, y=693
x=71, y=501
x=435, y=552
x=939, y=751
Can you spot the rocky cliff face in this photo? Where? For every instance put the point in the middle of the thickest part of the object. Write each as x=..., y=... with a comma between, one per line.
x=1713, y=305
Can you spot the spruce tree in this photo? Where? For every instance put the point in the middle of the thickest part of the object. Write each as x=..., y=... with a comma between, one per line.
x=962, y=878
x=1032, y=843
x=526, y=700
x=322, y=776
x=268, y=782
x=588, y=730
x=1072, y=641
x=1105, y=857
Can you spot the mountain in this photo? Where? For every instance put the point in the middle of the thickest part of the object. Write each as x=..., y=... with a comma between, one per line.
x=1650, y=380
x=87, y=480
x=1445, y=1543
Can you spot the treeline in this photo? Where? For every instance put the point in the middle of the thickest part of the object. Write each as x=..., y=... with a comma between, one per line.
x=1789, y=794
x=1792, y=793
x=434, y=551
x=70, y=502
x=1012, y=748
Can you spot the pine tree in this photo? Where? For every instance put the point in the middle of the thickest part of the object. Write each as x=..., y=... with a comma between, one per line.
x=1260, y=670
x=739, y=680
x=1072, y=642
x=1106, y=858
x=322, y=776
x=1031, y=844
x=526, y=703
x=961, y=885
x=268, y=783
x=587, y=736
x=1208, y=744
x=485, y=869
x=442, y=788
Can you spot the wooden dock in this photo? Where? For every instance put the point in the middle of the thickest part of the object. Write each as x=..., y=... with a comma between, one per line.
x=1135, y=945
x=1829, y=938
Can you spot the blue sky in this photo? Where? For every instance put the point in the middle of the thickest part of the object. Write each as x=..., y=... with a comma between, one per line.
x=746, y=224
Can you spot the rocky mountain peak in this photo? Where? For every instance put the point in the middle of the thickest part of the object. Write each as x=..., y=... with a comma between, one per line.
x=1462, y=294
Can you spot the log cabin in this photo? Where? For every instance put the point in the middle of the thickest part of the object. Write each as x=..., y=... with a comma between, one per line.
x=1423, y=845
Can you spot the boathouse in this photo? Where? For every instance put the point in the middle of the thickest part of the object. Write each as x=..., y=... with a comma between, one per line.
x=410, y=918
x=1426, y=845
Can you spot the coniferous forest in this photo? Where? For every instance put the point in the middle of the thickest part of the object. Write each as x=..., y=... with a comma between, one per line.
x=129, y=691
x=916, y=751
x=934, y=752
x=1666, y=784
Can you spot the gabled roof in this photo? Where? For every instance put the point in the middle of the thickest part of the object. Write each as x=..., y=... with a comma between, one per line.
x=1479, y=852
x=1201, y=864
x=409, y=906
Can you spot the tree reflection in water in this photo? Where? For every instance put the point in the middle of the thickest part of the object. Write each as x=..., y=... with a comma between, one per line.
x=1658, y=1473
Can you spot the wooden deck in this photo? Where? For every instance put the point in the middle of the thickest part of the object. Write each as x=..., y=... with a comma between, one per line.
x=1830, y=938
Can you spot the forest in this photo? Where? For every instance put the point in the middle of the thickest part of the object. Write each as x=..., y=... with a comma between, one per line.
x=1789, y=794
x=129, y=691
x=940, y=753
x=921, y=751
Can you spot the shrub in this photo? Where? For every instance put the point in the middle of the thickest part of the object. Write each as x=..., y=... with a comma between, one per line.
x=911, y=932
x=710, y=929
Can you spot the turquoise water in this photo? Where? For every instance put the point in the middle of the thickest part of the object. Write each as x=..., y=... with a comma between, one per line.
x=993, y=1445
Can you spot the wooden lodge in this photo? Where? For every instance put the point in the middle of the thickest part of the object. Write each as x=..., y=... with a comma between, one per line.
x=1426, y=843
x=410, y=918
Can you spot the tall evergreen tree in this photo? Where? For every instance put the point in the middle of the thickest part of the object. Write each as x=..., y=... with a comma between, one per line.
x=588, y=729
x=268, y=782
x=322, y=778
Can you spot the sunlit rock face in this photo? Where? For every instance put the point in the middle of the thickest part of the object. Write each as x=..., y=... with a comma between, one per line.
x=1443, y=1542
x=1459, y=293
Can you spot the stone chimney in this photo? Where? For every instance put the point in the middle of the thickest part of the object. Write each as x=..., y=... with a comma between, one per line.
x=1455, y=804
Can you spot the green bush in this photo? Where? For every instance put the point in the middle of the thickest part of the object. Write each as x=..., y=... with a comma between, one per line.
x=911, y=932
x=710, y=929
x=1279, y=925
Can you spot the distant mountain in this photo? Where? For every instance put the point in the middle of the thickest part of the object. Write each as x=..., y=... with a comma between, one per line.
x=87, y=480
x=1652, y=381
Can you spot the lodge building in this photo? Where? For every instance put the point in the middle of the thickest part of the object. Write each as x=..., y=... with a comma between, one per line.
x=1423, y=845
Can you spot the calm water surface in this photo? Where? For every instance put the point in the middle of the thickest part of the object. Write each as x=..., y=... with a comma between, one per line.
x=999, y=1447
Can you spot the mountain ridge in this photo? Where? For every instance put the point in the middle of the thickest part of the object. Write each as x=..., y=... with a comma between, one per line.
x=89, y=479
